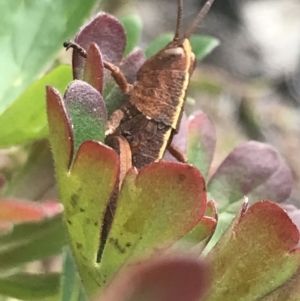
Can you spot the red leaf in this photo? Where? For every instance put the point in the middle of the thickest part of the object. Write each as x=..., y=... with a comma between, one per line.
x=160, y=279
x=61, y=135
x=94, y=70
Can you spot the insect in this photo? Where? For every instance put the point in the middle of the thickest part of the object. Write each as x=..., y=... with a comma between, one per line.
x=151, y=117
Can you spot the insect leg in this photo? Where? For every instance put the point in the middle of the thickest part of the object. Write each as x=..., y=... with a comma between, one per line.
x=113, y=122
x=177, y=154
x=119, y=78
x=115, y=71
x=70, y=44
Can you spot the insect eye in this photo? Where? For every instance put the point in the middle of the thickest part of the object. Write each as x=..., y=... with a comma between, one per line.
x=178, y=51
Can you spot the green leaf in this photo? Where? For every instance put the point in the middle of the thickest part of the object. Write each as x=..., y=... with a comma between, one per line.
x=133, y=29
x=203, y=45
x=158, y=44
x=29, y=242
x=31, y=33
x=37, y=173
x=197, y=239
x=71, y=288
x=87, y=112
x=27, y=286
x=25, y=119
x=201, y=142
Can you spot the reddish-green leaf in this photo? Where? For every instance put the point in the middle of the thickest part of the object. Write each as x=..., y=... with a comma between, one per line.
x=293, y=212
x=256, y=254
x=198, y=237
x=61, y=135
x=85, y=193
x=156, y=208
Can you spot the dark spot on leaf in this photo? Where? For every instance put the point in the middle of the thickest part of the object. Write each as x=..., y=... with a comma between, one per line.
x=79, y=245
x=116, y=244
x=128, y=245
x=82, y=209
x=69, y=222
x=96, y=224
x=74, y=199
x=181, y=177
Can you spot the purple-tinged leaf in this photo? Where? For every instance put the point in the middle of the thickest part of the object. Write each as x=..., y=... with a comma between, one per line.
x=132, y=63
x=94, y=70
x=247, y=167
x=61, y=135
x=278, y=187
x=108, y=33
x=156, y=208
x=201, y=142
x=179, y=140
x=87, y=112
x=256, y=255
x=160, y=279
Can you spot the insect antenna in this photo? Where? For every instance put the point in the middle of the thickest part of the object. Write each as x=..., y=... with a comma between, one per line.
x=179, y=20
x=204, y=10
